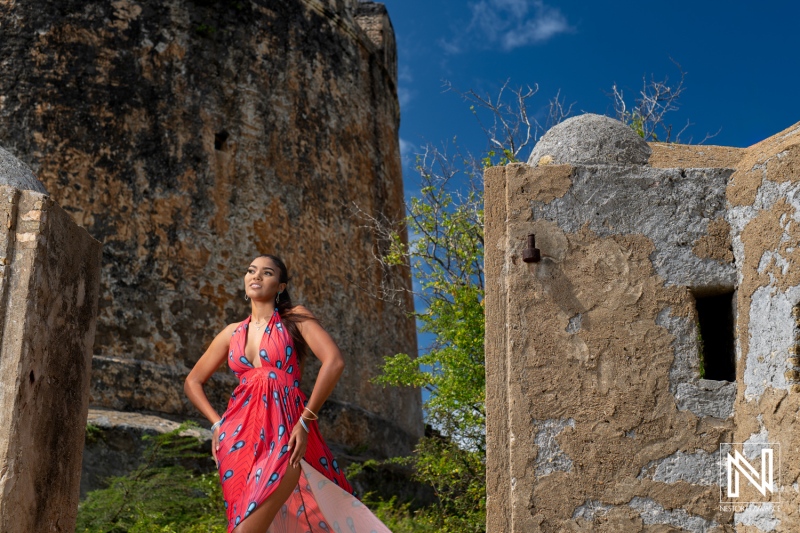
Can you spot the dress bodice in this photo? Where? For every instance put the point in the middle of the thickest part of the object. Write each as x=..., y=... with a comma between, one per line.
x=275, y=350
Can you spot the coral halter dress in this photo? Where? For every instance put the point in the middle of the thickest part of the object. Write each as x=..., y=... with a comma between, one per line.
x=254, y=445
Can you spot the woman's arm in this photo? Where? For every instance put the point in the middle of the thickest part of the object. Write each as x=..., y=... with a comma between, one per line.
x=326, y=350
x=324, y=347
x=202, y=371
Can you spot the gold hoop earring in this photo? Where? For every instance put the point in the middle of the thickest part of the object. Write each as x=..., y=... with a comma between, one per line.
x=246, y=297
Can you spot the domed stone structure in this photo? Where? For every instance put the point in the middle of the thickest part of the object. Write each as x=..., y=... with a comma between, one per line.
x=590, y=140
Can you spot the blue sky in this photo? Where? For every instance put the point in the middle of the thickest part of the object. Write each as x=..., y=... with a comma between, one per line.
x=741, y=62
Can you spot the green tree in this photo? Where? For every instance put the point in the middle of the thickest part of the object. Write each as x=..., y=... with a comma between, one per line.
x=445, y=252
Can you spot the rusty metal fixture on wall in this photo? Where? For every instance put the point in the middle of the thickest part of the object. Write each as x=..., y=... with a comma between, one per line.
x=531, y=254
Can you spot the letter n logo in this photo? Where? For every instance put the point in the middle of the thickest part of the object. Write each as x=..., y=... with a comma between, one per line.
x=737, y=464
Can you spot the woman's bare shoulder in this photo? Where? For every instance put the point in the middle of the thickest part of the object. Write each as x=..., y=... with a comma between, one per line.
x=303, y=317
x=230, y=328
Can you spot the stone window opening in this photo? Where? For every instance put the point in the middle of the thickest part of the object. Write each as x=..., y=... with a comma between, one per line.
x=715, y=336
x=220, y=141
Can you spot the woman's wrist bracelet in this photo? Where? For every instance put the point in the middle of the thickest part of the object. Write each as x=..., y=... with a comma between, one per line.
x=312, y=412
x=215, y=425
x=303, y=423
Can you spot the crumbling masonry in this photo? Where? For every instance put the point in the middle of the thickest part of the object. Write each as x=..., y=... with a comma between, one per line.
x=598, y=417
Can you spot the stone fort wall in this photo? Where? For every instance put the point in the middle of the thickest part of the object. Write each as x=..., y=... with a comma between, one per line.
x=599, y=415
x=189, y=136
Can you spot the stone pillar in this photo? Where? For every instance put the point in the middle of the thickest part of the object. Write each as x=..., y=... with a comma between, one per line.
x=49, y=286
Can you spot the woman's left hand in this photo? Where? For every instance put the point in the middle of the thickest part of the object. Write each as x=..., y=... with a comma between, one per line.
x=297, y=444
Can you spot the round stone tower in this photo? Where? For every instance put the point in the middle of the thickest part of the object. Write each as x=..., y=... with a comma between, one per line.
x=190, y=136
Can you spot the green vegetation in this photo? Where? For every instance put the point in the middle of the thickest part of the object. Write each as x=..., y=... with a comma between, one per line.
x=205, y=30
x=447, y=258
x=446, y=255
x=458, y=479
x=158, y=496
x=92, y=432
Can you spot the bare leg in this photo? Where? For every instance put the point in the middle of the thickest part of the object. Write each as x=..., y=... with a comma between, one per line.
x=260, y=519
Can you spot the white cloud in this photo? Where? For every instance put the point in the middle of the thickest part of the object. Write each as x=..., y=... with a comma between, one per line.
x=451, y=46
x=509, y=24
x=407, y=150
x=404, y=73
x=404, y=96
x=405, y=147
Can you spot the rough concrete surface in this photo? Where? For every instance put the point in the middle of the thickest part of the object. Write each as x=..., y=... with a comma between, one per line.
x=717, y=243
x=602, y=332
x=190, y=136
x=670, y=155
x=674, y=208
x=609, y=377
x=551, y=458
x=698, y=468
x=758, y=517
x=764, y=214
x=49, y=287
x=653, y=513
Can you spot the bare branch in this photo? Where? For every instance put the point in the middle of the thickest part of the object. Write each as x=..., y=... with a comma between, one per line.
x=512, y=128
x=709, y=136
x=657, y=98
x=557, y=112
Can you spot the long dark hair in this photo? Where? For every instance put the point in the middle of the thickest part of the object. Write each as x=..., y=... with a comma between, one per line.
x=289, y=315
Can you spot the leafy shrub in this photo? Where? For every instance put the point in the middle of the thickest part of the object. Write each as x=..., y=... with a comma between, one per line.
x=158, y=496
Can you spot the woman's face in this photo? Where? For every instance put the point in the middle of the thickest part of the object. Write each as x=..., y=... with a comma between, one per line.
x=262, y=280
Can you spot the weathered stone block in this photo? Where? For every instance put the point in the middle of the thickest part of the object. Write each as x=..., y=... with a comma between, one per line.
x=49, y=283
x=596, y=417
x=596, y=412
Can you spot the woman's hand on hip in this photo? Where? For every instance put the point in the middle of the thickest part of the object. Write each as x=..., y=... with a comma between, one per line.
x=297, y=444
x=215, y=444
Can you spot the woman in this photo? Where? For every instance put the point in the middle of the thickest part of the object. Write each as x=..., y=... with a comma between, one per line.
x=269, y=436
